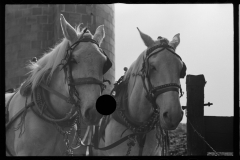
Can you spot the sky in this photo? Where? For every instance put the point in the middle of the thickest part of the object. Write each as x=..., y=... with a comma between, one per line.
x=206, y=44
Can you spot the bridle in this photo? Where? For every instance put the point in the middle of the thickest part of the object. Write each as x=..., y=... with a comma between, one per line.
x=42, y=104
x=141, y=129
x=66, y=65
x=151, y=94
x=121, y=115
x=154, y=92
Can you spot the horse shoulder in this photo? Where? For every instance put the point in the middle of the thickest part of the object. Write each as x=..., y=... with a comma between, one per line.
x=17, y=103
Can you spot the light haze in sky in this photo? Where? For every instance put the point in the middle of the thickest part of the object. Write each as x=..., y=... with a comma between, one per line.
x=206, y=44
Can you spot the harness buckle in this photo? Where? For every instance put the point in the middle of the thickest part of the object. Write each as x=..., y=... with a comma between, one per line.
x=113, y=93
x=132, y=141
x=103, y=86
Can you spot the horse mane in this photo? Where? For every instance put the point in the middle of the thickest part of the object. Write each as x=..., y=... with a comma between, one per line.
x=135, y=67
x=137, y=64
x=50, y=60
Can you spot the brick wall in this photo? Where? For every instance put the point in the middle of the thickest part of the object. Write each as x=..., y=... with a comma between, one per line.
x=32, y=29
x=28, y=33
x=104, y=14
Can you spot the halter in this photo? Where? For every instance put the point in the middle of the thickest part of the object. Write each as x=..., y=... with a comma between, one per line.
x=70, y=118
x=154, y=92
x=141, y=129
x=66, y=65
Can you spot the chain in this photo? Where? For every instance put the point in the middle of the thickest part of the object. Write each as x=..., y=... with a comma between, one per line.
x=78, y=132
x=203, y=138
x=69, y=150
x=130, y=144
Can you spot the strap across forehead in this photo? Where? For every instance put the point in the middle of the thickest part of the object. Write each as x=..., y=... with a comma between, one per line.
x=163, y=46
x=66, y=60
x=84, y=40
x=150, y=52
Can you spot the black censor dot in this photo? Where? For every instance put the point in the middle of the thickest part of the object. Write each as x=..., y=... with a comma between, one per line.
x=106, y=104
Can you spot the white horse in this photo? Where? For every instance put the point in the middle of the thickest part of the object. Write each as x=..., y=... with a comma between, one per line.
x=147, y=103
x=64, y=84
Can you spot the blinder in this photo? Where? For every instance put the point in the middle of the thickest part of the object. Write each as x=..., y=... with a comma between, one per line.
x=107, y=64
x=183, y=71
x=66, y=60
x=164, y=45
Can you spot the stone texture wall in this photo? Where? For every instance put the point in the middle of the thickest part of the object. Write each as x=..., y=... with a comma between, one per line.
x=30, y=30
x=104, y=14
x=28, y=33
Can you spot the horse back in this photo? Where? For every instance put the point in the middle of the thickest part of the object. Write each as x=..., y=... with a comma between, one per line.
x=14, y=102
x=8, y=97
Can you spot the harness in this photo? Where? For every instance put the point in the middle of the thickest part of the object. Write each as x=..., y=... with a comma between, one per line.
x=154, y=92
x=41, y=106
x=121, y=115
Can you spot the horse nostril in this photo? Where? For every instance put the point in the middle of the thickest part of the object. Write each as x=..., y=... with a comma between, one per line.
x=92, y=116
x=165, y=115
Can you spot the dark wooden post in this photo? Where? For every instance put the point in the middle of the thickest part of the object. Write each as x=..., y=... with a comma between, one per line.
x=195, y=114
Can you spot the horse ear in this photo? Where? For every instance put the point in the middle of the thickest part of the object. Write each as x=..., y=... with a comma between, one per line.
x=68, y=31
x=99, y=34
x=146, y=39
x=175, y=41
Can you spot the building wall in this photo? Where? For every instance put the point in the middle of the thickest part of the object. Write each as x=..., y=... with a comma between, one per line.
x=30, y=30
x=104, y=14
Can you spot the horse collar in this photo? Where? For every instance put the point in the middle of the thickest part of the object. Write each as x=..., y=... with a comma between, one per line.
x=44, y=109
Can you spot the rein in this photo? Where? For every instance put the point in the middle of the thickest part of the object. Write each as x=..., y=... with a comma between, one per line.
x=140, y=130
x=41, y=101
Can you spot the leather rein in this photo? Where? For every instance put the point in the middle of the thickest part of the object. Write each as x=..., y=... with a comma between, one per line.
x=141, y=129
x=73, y=98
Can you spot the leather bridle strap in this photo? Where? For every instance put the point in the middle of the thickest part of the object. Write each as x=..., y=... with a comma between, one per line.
x=163, y=90
x=112, y=145
x=88, y=80
x=38, y=111
x=68, y=100
x=153, y=92
x=141, y=142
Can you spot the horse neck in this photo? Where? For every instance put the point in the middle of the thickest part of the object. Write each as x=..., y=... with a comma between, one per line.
x=138, y=106
x=58, y=84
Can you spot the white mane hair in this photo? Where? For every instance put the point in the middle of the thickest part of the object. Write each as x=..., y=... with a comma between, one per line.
x=135, y=67
x=50, y=60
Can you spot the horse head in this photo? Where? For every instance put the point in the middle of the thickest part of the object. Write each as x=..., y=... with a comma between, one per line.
x=82, y=70
x=154, y=86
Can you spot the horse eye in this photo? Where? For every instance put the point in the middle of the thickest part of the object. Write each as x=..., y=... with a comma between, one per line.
x=153, y=68
x=73, y=61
